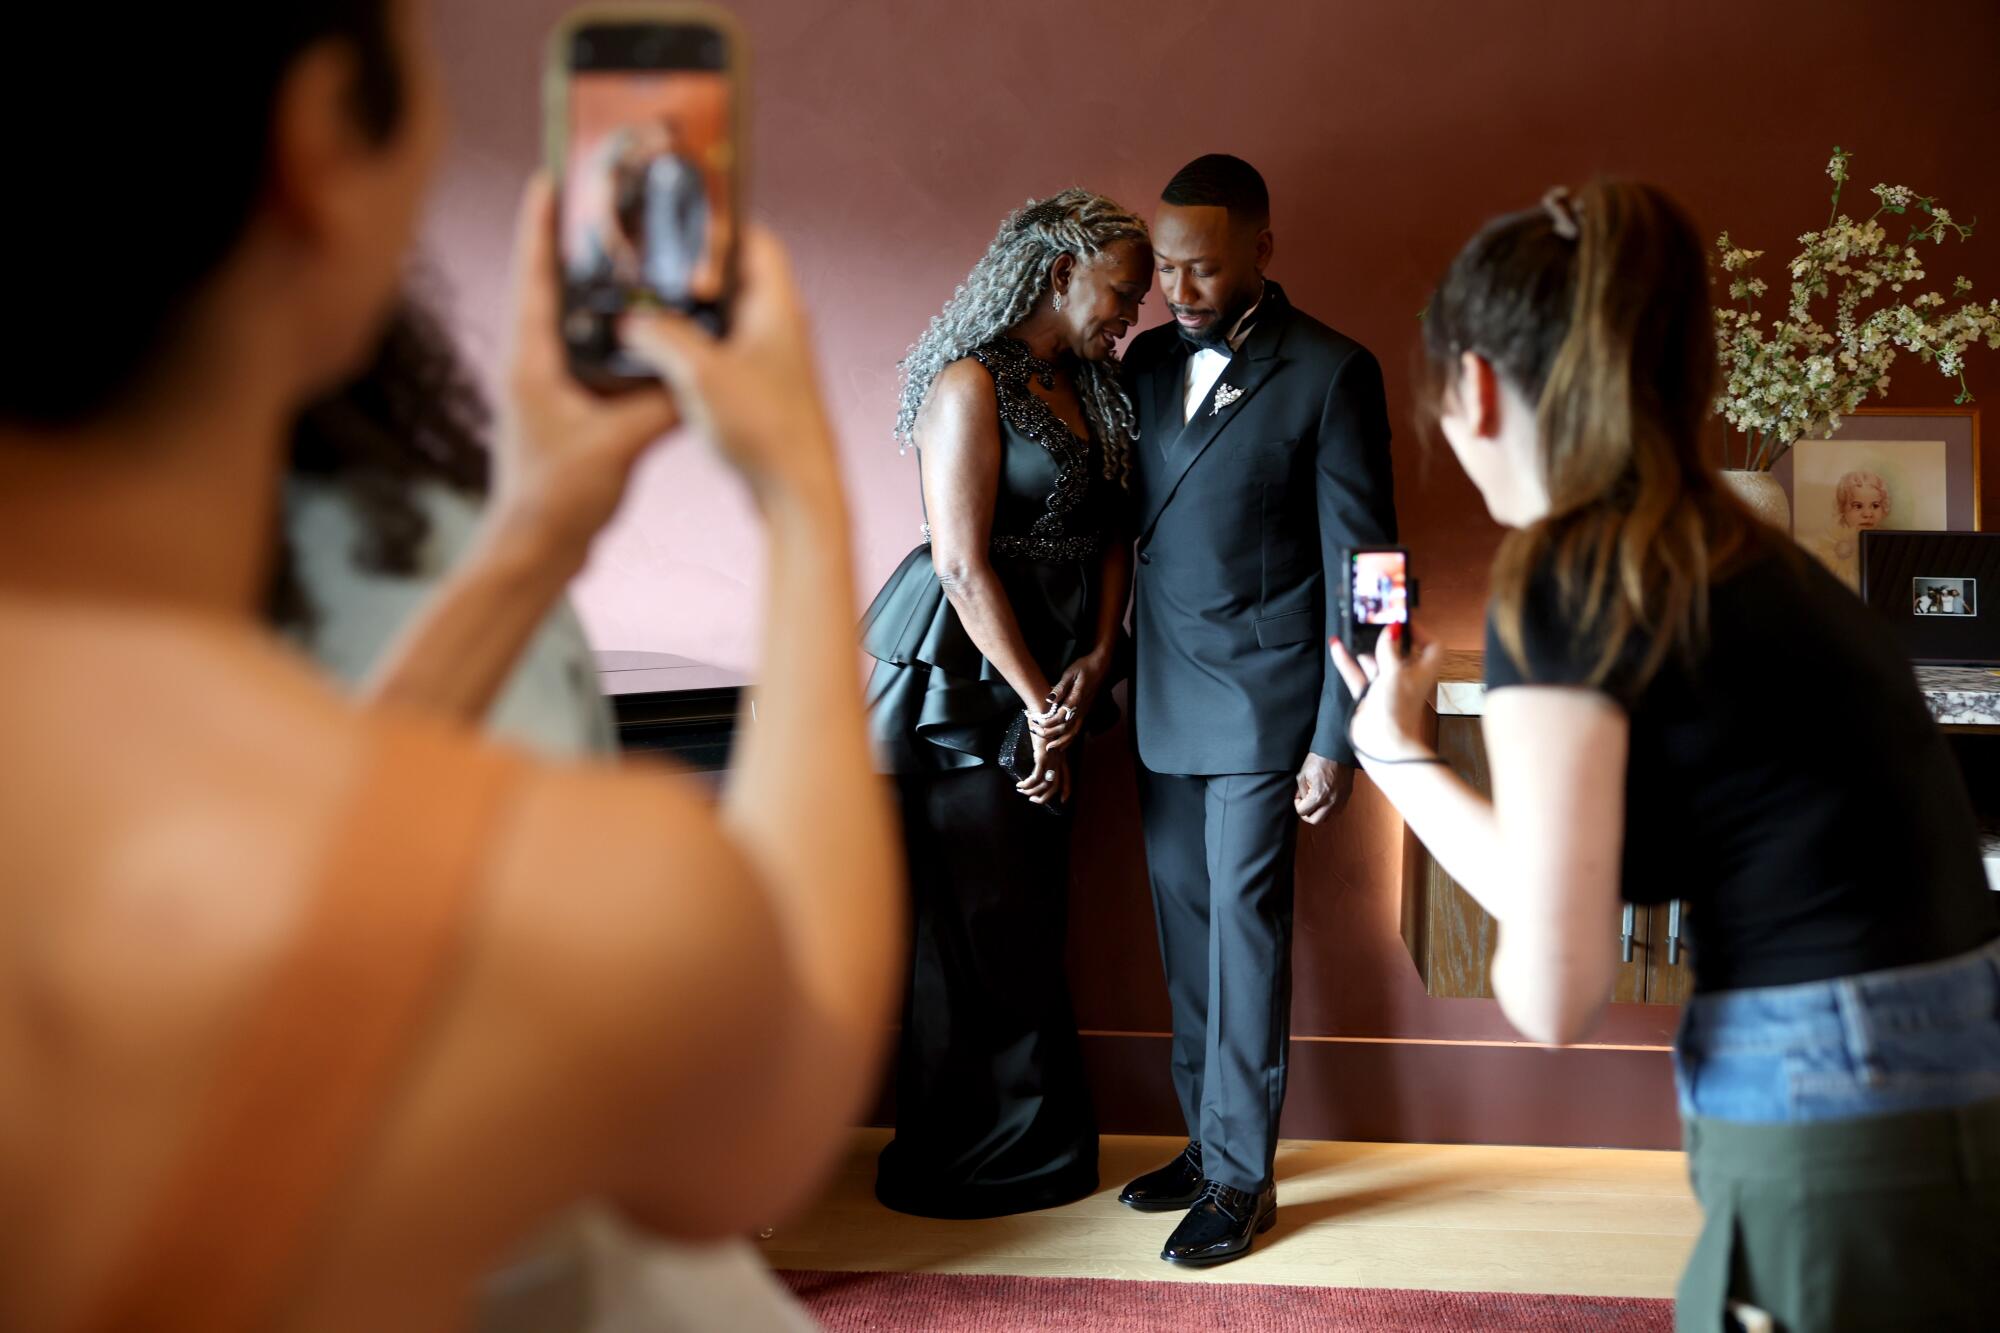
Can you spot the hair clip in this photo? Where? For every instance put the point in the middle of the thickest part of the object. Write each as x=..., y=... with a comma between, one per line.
x=1562, y=213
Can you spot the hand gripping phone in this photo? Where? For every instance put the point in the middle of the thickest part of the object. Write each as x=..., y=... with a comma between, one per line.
x=643, y=111
x=1380, y=593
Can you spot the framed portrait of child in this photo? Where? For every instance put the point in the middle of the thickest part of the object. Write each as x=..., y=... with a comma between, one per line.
x=1884, y=470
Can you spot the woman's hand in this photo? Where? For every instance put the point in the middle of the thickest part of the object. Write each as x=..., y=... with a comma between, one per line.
x=754, y=392
x=1049, y=783
x=1074, y=695
x=564, y=454
x=1391, y=693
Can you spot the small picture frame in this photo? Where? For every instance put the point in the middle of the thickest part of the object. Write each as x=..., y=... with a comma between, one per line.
x=1928, y=586
x=1885, y=469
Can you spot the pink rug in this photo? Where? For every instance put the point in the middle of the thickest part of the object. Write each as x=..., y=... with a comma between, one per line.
x=982, y=1303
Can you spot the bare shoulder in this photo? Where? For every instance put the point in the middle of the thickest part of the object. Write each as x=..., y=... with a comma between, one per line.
x=965, y=378
x=622, y=876
x=626, y=966
x=199, y=775
x=185, y=780
x=193, y=785
x=961, y=402
x=171, y=790
x=173, y=797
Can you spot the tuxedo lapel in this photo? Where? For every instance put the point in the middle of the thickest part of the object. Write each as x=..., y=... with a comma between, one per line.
x=1169, y=377
x=1246, y=372
x=1243, y=375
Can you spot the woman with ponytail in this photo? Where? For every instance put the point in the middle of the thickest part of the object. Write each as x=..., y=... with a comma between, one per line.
x=993, y=642
x=1839, y=1064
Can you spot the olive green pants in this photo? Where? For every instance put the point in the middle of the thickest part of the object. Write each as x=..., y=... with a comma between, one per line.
x=1878, y=1222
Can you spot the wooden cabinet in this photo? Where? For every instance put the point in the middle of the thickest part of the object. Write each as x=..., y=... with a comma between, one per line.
x=1451, y=938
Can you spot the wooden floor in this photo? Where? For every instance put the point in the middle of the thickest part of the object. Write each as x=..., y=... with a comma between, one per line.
x=1601, y=1222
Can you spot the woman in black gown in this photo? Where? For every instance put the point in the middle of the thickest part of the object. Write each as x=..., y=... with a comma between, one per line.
x=1009, y=613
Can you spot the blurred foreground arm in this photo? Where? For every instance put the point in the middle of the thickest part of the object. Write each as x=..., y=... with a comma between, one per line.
x=803, y=804
x=707, y=989
x=1542, y=857
x=562, y=462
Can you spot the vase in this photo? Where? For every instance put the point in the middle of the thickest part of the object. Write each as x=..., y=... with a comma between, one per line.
x=1761, y=495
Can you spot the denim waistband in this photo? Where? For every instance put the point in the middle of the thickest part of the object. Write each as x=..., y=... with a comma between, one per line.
x=1948, y=993
x=1906, y=1039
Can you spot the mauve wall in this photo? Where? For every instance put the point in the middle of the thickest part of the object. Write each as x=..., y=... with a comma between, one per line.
x=889, y=138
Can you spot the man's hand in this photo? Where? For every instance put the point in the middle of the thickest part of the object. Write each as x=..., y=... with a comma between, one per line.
x=1324, y=787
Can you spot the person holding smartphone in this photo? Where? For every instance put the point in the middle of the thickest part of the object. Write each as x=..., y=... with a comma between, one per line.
x=395, y=577
x=1839, y=1063
x=320, y=1011
x=993, y=642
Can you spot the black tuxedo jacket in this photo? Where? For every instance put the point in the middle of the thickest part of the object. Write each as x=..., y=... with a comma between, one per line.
x=1244, y=518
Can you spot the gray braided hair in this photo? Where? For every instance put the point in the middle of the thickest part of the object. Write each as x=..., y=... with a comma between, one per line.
x=1003, y=288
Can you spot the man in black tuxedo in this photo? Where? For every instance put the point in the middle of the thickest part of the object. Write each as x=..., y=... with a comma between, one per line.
x=1263, y=455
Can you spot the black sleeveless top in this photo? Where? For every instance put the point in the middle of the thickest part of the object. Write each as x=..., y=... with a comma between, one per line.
x=934, y=700
x=1789, y=783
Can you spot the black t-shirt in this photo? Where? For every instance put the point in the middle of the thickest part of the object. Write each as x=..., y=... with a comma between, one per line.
x=1789, y=784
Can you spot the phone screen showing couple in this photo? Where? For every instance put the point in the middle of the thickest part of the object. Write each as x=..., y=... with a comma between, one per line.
x=1378, y=587
x=647, y=215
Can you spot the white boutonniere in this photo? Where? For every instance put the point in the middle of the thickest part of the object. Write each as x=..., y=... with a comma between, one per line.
x=1225, y=395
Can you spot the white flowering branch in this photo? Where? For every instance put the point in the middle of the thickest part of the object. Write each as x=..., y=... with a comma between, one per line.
x=1795, y=377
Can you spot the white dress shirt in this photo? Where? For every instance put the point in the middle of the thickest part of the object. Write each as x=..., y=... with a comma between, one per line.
x=1204, y=368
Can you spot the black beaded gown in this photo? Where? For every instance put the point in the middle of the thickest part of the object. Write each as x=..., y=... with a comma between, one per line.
x=992, y=1113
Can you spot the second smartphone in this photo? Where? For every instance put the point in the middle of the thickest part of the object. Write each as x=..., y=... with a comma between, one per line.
x=1380, y=593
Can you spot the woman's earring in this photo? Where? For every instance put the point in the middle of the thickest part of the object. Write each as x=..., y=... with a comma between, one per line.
x=1058, y=303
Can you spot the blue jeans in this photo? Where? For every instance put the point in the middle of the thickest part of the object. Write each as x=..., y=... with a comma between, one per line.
x=1844, y=1139
x=1918, y=1038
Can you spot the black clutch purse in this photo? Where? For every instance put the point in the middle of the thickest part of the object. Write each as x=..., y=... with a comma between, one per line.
x=1017, y=749
x=1016, y=755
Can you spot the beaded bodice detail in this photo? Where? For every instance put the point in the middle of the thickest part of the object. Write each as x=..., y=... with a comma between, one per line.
x=1055, y=533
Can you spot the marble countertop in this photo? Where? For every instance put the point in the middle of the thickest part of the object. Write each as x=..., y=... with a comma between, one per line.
x=1461, y=685
x=1961, y=696
x=1958, y=696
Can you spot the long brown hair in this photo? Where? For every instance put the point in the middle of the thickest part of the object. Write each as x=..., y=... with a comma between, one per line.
x=1596, y=307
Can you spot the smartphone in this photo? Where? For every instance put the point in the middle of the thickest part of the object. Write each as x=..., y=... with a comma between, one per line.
x=643, y=109
x=1380, y=592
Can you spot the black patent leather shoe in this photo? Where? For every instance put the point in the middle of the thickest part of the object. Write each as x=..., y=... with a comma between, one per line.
x=1221, y=1225
x=1175, y=1185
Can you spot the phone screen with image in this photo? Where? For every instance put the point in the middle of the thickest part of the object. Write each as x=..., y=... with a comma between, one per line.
x=648, y=182
x=1379, y=587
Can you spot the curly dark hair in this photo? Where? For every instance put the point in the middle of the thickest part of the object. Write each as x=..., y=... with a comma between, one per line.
x=412, y=415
